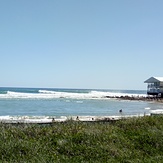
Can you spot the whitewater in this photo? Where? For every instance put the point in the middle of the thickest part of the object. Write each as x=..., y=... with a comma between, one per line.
x=47, y=94
x=44, y=104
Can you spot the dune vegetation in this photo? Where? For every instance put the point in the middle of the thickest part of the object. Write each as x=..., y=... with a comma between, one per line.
x=129, y=140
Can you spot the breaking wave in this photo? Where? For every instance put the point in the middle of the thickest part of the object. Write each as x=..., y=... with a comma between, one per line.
x=47, y=94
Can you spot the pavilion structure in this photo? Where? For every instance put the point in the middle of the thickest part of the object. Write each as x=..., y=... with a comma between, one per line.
x=155, y=86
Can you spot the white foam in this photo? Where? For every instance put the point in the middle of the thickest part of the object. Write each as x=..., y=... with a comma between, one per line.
x=80, y=102
x=46, y=94
x=157, y=111
x=147, y=108
x=31, y=119
x=48, y=119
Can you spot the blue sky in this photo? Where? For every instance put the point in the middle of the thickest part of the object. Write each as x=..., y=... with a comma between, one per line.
x=107, y=44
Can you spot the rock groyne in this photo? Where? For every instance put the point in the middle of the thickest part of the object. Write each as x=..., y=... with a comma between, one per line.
x=138, y=98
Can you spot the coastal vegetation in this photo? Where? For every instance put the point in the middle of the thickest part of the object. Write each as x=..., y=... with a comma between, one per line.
x=127, y=140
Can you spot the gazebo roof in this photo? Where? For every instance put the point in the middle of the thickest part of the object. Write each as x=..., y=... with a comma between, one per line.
x=154, y=79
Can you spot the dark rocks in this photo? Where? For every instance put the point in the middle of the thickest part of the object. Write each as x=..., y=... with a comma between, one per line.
x=138, y=98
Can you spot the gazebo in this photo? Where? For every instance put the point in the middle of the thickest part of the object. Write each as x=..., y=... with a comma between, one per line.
x=155, y=86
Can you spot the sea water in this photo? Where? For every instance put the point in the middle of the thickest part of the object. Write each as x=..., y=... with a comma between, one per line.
x=45, y=103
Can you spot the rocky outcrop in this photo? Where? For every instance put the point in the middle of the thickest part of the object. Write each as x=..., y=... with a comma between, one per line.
x=138, y=98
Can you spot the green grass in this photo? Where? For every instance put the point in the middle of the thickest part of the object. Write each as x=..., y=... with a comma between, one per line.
x=133, y=140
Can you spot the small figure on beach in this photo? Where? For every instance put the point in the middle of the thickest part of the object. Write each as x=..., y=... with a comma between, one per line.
x=53, y=120
x=77, y=118
x=120, y=110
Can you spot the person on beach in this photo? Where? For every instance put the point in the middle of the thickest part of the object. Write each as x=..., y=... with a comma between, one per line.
x=120, y=110
x=77, y=118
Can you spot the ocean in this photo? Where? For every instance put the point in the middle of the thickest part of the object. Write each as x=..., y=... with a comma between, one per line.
x=48, y=103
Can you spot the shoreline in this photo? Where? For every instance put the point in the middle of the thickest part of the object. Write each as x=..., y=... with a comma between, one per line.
x=80, y=119
x=70, y=118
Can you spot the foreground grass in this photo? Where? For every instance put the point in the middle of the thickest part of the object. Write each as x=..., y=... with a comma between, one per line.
x=132, y=140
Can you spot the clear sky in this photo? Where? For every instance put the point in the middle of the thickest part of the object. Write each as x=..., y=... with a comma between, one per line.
x=112, y=44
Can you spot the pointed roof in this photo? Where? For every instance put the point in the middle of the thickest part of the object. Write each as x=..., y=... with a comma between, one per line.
x=154, y=79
